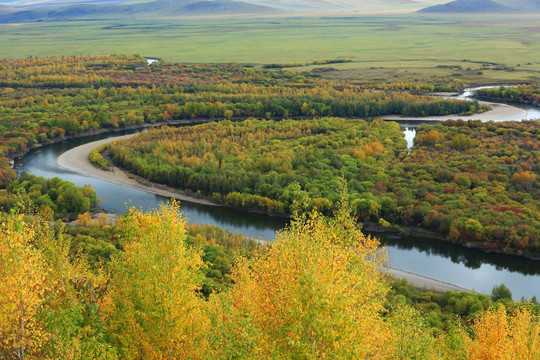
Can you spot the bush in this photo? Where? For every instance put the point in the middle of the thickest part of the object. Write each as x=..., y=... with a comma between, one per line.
x=501, y=292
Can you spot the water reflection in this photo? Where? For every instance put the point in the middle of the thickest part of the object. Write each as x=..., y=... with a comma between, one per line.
x=471, y=258
x=408, y=127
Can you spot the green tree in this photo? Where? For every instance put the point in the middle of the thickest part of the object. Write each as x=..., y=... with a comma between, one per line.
x=501, y=292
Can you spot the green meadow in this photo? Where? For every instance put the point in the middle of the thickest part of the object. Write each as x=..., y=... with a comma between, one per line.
x=401, y=46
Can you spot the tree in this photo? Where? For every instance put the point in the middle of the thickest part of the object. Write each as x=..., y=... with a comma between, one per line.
x=48, y=304
x=499, y=336
x=228, y=114
x=411, y=336
x=474, y=229
x=22, y=290
x=501, y=292
x=316, y=292
x=153, y=307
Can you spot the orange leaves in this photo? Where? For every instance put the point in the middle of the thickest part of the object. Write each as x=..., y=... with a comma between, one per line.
x=371, y=149
x=506, y=337
x=432, y=137
x=524, y=179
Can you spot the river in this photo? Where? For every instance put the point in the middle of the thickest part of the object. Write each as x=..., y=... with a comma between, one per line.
x=467, y=268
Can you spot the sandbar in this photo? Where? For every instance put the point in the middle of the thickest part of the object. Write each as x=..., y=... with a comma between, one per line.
x=76, y=160
x=498, y=112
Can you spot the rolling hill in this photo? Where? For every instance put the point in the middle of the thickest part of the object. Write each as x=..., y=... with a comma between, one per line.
x=54, y=10
x=485, y=6
x=58, y=10
x=6, y=10
x=158, y=8
x=41, y=4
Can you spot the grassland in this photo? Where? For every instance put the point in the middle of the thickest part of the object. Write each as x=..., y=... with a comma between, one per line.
x=400, y=47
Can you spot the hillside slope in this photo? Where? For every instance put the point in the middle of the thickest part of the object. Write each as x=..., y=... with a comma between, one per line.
x=347, y=6
x=158, y=8
x=6, y=10
x=485, y=6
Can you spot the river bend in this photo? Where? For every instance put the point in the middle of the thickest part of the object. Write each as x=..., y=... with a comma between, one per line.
x=466, y=268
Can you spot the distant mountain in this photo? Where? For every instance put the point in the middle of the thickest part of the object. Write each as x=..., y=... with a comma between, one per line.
x=6, y=10
x=485, y=6
x=225, y=7
x=346, y=6
x=41, y=4
x=158, y=8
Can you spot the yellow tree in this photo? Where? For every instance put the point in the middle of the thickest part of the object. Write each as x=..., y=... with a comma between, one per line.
x=71, y=313
x=48, y=305
x=22, y=290
x=506, y=337
x=153, y=305
x=316, y=293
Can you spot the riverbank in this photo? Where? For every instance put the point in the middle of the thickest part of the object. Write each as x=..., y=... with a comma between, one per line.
x=498, y=112
x=13, y=156
x=76, y=160
x=424, y=282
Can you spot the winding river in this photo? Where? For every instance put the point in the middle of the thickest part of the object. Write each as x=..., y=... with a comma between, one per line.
x=466, y=268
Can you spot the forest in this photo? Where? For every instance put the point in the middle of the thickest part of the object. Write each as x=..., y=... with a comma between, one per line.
x=48, y=99
x=44, y=100
x=51, y=198
x=473, y=182
x=78, y=285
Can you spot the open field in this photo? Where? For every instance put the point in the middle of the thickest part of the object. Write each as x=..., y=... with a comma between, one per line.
x=400, y=47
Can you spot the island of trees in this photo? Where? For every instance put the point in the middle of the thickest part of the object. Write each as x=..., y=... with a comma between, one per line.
x=473, y=182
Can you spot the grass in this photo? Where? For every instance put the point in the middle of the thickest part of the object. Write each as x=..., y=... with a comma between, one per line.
x=403, y=47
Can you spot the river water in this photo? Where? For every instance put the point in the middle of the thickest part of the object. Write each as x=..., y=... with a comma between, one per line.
x=467, y=268
x=409, y=126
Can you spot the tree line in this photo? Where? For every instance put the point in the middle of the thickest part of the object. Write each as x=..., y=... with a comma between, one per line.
x=525, y=94
x=47, y=99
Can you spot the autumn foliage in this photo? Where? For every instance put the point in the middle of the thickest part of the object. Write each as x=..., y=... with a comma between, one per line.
x=470, y=181
x=152, y=306
x=48, y=99
x=317, y=292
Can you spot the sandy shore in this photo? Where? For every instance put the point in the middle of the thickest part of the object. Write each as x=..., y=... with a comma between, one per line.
x=498, y=112
x=424, y=282
x=76, y=160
